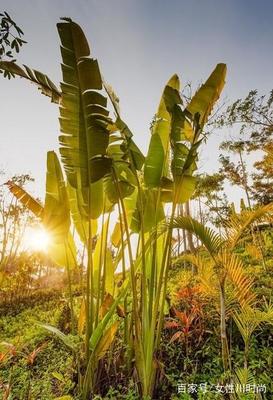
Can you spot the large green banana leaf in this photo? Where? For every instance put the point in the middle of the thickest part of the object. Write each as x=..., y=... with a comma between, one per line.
x=26, y=199
x=47, y=87
x=186, y=126
x=157, y=161
x=79, y=215
x=54, y=215
x=136, y=156
x=205, y=98
x=63, y=254
x=184, y=189
x=123, y=179
x=83, y=118
x=132, y=217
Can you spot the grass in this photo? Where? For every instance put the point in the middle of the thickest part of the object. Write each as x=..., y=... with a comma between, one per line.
x=51, y=373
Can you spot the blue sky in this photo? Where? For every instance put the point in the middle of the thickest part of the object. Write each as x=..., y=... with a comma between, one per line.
x=139, y=45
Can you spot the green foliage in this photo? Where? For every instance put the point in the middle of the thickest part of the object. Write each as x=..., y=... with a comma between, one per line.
x=130, y=332
x=44, y=84
x=22, y=331
x=161, y=320
x=211, y=240
x=10, y=40
x=254, y=114
x=27, y=200
x=103, y=168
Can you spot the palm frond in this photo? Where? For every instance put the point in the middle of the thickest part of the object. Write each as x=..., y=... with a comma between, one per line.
x=241, y=283
x=240, y=223
x=208, y=280
x=193, y=259
x=254, y=251
x=210, y=239
x=205, y=273
x=249, y=319
x=243, y=376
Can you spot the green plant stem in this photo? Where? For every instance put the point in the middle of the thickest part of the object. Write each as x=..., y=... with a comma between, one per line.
x=89, y=292
x=126, y=325
x=69, y=288
x=100, y=268
x=223, y=329
x=130, y=253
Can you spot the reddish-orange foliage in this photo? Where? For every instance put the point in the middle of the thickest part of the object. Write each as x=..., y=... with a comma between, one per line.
x=187, y=318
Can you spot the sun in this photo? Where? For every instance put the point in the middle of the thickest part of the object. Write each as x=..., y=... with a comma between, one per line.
x=36, y=239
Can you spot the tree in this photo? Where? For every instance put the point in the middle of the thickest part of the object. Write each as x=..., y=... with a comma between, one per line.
x=17, y=265
x=212, y=202
x=262, y=187
x=10, y=41
x=14, y=218
x=254, y=116
x=236, y=173
x=224, y=264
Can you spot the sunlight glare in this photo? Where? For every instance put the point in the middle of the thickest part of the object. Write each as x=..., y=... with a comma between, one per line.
x=36, y=239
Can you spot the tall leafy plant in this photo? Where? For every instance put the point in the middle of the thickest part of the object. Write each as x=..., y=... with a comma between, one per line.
x=105, y=170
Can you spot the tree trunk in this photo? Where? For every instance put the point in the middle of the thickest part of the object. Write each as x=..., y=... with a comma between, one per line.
x=245, y=185
x=184, y=239
x=223, y=329
x=190, y=237
x=189, y=234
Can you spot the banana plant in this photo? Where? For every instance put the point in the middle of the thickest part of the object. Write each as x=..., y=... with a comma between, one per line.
x=168, y=178
x=105, y=170
x=91, y=169
x=42, y=81
x=88, y=149
x=55, y=217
